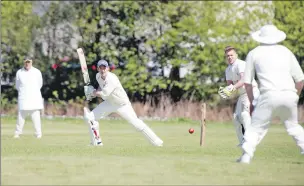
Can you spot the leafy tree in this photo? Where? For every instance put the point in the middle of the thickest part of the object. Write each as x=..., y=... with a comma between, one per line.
x=18, y=32
x=111, y=30
x=142, y=39
x=289, y=17
x=55, y=50
x=199, y=32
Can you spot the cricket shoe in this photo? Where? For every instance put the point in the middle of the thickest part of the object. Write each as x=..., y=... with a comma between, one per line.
x=98, y=144
x=16, y=136
x=245, y=158
x=39, y=136
x=158, y=143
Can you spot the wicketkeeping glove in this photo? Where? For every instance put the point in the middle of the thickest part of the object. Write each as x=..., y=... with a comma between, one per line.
x=226, y=92
x=88, y=91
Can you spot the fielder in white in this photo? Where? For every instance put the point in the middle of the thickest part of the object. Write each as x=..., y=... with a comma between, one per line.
x=28, y=84
x=234, y=78
x=280, y=80
x=115, y=100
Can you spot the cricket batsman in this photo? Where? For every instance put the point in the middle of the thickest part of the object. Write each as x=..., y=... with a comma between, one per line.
x=117, y=101
x=234, y=77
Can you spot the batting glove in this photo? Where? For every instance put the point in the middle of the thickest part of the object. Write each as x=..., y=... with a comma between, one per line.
x=88, y=91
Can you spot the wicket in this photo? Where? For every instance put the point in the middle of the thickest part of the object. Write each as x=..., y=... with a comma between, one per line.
x=203, y=124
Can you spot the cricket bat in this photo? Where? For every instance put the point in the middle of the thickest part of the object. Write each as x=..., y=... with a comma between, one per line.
x=86, y=78
x=84, y=67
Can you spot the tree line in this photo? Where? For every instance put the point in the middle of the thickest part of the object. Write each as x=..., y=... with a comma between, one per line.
x=155, y=47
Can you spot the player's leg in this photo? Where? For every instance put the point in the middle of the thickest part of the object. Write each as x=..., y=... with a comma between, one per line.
x=35, y=115
x=256, y=94
x=91, y=117
x=93, y=127
x=128, y=113
x=239, y=128
x=20, y=122
x=245, y=111
x=255, y=132
x=290, y=117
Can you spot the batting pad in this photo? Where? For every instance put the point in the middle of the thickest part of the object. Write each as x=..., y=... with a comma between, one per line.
x=93, y=127
x=152, y=137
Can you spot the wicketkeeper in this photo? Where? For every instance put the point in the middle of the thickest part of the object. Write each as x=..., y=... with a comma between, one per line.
x=115, y=100
x=235, y=85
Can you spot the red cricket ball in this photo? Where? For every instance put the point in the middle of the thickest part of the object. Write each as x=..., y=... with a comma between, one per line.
x=191, y=130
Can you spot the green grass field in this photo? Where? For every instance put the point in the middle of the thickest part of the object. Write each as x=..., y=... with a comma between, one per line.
x=63, y=157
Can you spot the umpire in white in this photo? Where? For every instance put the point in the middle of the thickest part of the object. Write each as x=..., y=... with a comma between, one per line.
x=280, y=80
x=28, y=84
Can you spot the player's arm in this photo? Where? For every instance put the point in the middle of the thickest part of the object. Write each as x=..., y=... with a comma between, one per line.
x=97, y=92
x=240, y=83
x=241, y=69
x=226, y=92
x=248, y=77
x=40, y=80
x=229, y=82
x=228, y=78
x=299, y=87
x=249, y=91
x=105, y=92
x=17, y=81
x=297, y=74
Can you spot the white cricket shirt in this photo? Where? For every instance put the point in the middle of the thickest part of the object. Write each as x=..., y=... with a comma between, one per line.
x=233, y=72
x=28, y=85
x=112, y=90
x=276, y=67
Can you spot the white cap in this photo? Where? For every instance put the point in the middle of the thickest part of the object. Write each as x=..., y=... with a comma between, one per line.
x=102, y=63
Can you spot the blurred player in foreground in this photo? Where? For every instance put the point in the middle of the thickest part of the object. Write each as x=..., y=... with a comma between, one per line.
x=28, y=84
x=115, y=100
x=280, y=79
x=234, y=77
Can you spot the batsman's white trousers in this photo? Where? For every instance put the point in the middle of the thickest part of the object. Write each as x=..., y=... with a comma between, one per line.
x=35, y=115
x=271, y=104
x=127, y=112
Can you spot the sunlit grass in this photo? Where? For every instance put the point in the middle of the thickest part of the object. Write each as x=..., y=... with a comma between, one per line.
x=63, y=156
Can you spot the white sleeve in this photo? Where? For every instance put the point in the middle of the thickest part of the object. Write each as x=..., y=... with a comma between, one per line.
x=228, y=75
x=17, y=80
x=295, y=69
x=241, y=67
x=109, y=87
x=40, y=80
x=249, y=69
x=97, y=76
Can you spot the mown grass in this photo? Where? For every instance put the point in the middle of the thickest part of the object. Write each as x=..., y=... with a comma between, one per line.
x=63, y=157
